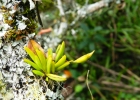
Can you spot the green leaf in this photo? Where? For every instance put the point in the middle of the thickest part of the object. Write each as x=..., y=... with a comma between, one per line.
x=42, y=59
x=78, y=88
x=58, y=47
x=60, y=52
x=61, y=61
x=32, y=64
x=49, y=64
x=49, y=53
x=34, y=57
x=53, y=67
x=37, y=61
x=30, y=53
x=63, y=66
x=37, y=72
x=56, y=77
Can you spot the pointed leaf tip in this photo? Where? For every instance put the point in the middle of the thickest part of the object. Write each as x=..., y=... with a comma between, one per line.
x=83, y=58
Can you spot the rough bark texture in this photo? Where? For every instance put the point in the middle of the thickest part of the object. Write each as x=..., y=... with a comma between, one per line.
x=17, y=82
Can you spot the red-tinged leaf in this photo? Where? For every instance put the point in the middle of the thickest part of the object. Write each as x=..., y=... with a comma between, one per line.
x=34, y=45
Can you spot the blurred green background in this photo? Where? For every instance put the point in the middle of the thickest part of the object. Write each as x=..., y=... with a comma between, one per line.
x=114, y=69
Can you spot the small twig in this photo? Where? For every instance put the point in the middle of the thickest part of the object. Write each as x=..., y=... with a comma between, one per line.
x=71, y=96
x=109, y=70
x=84, y=86
x=117, y=89
x=99, y=92
x=59, y=5
x=121, y=85
x=130, y=72
x=92, y=98
x=43, y=31
x=38, y=14
x=87, y=9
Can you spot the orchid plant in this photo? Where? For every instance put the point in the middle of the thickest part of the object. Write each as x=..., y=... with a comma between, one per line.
x=47, y=64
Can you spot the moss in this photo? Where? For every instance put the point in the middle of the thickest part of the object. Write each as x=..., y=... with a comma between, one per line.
x=2, y=87
x=13, y=20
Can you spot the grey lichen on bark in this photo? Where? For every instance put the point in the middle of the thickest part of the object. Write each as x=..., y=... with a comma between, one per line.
x=17, y=82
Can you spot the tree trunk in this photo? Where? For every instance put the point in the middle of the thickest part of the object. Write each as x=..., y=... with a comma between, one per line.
x=17, y=82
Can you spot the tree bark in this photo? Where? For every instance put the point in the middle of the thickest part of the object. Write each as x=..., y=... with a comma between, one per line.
x=17, y=82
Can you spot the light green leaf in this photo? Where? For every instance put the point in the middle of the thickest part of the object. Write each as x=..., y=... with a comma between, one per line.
x=78, y=88
x=42, y=59
x=30, y=52
x=37, y=72
x=56, y=77
x=32, y=64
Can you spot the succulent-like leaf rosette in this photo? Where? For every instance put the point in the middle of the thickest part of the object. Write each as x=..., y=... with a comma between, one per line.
x=47, y=64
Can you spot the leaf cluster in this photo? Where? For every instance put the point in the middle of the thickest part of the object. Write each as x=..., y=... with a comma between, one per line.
x=47, y=64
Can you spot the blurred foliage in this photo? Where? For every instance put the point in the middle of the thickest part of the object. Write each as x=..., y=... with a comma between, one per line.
x=113, y=32
x=114, y=35
x=45, y=5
